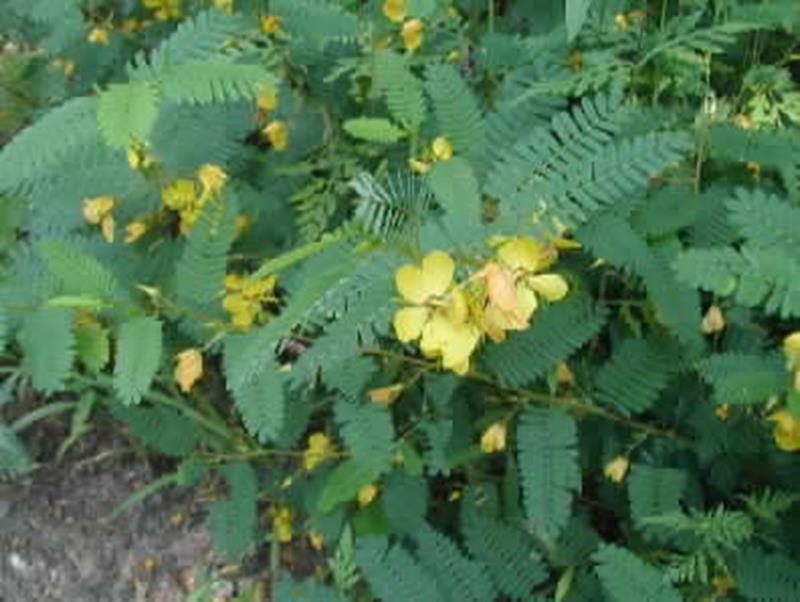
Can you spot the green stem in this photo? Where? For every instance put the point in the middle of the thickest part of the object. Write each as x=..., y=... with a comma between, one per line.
x=50, y=409
x=571, y=403
x=105, y=382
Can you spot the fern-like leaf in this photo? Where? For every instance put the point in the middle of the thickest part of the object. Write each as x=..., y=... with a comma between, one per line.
x=743, y=379
x=403, y=91
x=48, y=346
x=262, y=404
x=368, y=432
x=548, y=467
x=555, y=333
x=627, y=578
x=126, y=113
x=393, y=574
x=233, y=521
x=507, y=553
x=137, y=358
x=636, y=374
x=457, y=112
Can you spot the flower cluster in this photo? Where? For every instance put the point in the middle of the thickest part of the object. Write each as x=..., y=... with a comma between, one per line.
x=188, y=197
x=450, y=319
x=787, y=421
x=99, y=211
x=411, y=31
x=441, y=149
x=245, y=299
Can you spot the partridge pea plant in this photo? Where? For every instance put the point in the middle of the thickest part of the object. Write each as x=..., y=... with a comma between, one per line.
x=480, y=300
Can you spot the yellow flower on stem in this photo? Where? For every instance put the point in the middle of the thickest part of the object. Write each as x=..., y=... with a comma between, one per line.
x=412, y=34
x=245, y=298
x=442, y=148
x=95, y=209
x=713, y=321
x=108, y=227
x=386, y=395
x=267, y=100
x=512, y=287
x=134, y=231
x=282, y=523
x=787, y=430
x=438, y=313
x=277, y=134
x=616, y=469
x=319, y=449
x=494, y=438
x=791, y=349
x=99, y=35
x=180, y=194
x=395, y=10
x=188, y=368
x=212, y=179
x=270, y=24
x=367, y=494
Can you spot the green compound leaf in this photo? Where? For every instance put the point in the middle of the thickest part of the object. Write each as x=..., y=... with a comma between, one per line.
x=126, y=113
x=138, y=356
x=548, y=467
x=48, y=346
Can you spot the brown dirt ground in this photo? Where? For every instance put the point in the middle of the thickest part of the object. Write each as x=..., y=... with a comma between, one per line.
x=58, y=544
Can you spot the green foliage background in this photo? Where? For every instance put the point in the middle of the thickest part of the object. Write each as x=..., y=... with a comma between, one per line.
x=662, y=134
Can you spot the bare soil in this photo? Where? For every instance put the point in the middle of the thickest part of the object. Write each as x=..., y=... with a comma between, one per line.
x=58, y=544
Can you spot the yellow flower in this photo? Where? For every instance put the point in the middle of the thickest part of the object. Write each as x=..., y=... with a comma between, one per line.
x=212, y=178
x=98, y=35
x=108, y=227
x=431, y=279
x=270, y=24
x=386, y=395
x=412, y=34
x=277, y=134
x=95, y=209
x=525, y=254
x=564, y=375
x=367, y=494
x=180, y=194
x=418, y=166
x=617, y=469
x=267, y=100
x=791, y=349
x=138, y=158
x=512, y=288
x=134, y=231
x=438, y=315
x=442, y=148
x=282, y=523
x=188, y=369
x=245, y=298
x=66, y=67
x=787, y=430
x=164, y=10
x=494, y=438
x=225, y=6
x=316, y=540
x=713, y=321
x=395, y=10
x=450, y=340
x=319, y=449
x=723, y=412
x=130, y=26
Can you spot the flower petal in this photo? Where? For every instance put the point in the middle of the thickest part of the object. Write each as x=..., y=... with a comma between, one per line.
x=524, y=254
x=550, y=286
x=410, y=284
x=408, y=323
x=437, y=271
x=458, y=347
x=500, y=287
